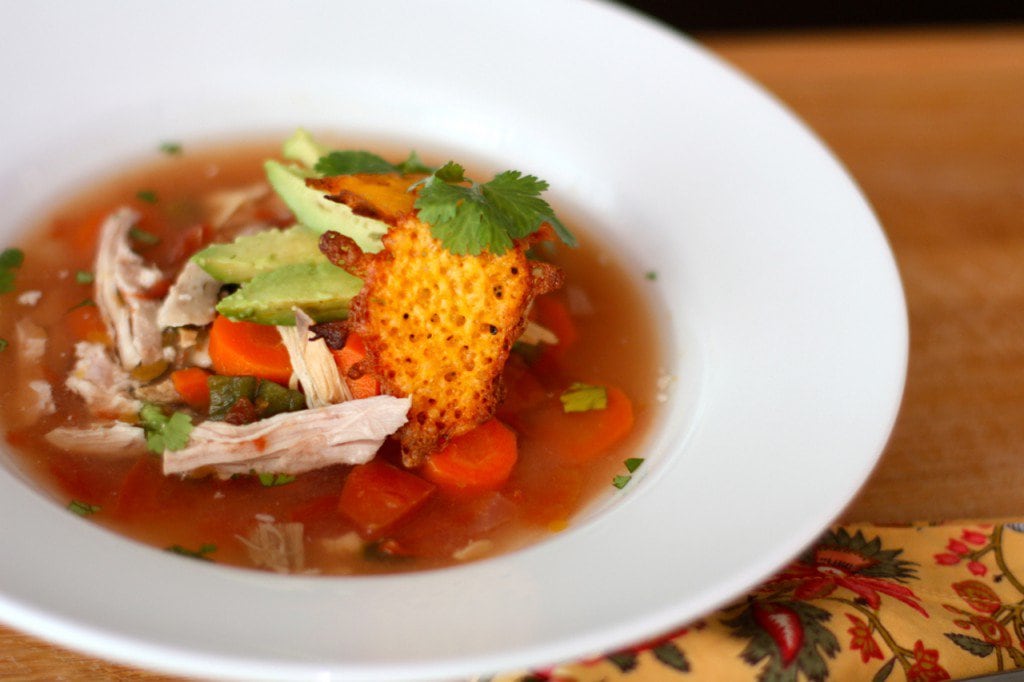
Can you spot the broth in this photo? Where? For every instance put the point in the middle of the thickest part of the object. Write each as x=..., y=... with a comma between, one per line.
x=216, y=519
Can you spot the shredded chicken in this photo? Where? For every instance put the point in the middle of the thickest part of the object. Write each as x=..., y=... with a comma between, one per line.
x=122, y=279
x=277, y=546
x=536, y=333
x=33, y=396
x=42, y=393
x=114, y=439
x=191, y=299
x=30, y=339
x=291, y=443
x=102, y=383
x=313, y=364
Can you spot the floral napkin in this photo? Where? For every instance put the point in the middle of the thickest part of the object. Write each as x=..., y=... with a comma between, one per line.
x=866, y=602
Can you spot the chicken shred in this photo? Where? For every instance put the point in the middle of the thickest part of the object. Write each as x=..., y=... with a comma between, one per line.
x=276, y=546
x=293, y=442
x=313, y=364
x=112, y=440
x=121, y=281
x=191, y=300
x=102, y=383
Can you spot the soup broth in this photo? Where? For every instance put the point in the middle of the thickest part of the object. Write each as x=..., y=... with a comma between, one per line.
x=606, y=336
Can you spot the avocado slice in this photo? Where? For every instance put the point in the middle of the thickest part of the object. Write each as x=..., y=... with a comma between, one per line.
x=302, y=148
x=252, y=255
x=322, y=290
x=320, y=214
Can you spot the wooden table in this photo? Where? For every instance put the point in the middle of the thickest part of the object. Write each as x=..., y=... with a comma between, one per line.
x=931, y=124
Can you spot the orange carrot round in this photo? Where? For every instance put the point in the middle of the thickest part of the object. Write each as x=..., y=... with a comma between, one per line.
x=475, y=462
x=248, y=349
x=190, y=383
x=580, y=436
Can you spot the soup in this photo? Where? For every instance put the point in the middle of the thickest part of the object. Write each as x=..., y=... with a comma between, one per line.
x=204, y=446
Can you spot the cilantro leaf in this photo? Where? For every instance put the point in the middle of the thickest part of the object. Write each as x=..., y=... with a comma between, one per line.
x=413, y=165
x=194, y=553
x=3, y=344
x=83, y=508
x=171, y=148
x=12, y=258
x=147, y=195
x=140, y=235
x=633, y=463
x=349, y=162
x=84, y=277
x=621, y=480
x=488, y=216
x=352, y=161
x=10, y=261
x=164, y=432
x=580, y=397
x=271, y=480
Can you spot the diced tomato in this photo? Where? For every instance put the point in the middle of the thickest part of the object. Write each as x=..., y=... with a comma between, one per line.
x=377, y=496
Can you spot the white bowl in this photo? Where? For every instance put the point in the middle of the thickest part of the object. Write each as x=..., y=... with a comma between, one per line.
x=778, y=296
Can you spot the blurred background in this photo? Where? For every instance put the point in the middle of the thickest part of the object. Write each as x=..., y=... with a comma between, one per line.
x=758, y=15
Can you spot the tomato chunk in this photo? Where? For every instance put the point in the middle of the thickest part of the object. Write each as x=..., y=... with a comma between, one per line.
x=377, y=496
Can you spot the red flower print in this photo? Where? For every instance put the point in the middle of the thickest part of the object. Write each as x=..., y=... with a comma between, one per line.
x=862, y=639
x=947, y=559
x=784, y=627
x=926, y=665
x=978, y=596
x=977, y=568
x=974, y=537
x=833, y=567
x=958, y=547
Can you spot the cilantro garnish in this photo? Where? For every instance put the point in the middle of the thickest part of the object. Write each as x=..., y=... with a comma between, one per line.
x=3, y=344
x=632, y=464
x=147, y=195
x=82, y=304
x=194, y=553
x=164, y=432
x=271, y=480
x=10, y=261
x=84, y=277
x=580, y=397
x=83, y=508
x=350, y=162
x=651, y=275
x=488, y=216
x=171, y=148
x=141, y=235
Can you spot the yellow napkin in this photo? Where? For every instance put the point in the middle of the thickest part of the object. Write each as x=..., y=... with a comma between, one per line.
x=865, y=602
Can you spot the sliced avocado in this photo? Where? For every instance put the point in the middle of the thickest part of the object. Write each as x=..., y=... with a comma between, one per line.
x=255, y=254
x=321, y=290
x=320, y=214
x=302, y=148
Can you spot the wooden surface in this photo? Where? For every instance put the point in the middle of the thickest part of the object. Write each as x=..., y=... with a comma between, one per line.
x=931, y=125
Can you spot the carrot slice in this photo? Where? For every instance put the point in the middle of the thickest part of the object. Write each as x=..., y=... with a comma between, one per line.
x=190, y=383
x=477, y=461
x=580, y=436
x=248, y=349
x=354, y=351
x=376, y=496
